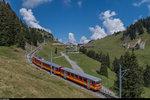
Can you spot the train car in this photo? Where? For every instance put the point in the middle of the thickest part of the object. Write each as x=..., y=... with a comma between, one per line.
x=89, y=81
x=86, y=80
x=46, y=65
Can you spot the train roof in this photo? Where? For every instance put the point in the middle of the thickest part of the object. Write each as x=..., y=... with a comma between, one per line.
x=70, y=70
x=47, y=62
x=82, y=74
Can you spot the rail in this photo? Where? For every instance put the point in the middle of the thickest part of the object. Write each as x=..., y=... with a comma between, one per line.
x=100, y=93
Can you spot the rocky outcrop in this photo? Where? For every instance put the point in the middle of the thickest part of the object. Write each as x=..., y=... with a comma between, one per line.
x=142, y=45
x=138, y=43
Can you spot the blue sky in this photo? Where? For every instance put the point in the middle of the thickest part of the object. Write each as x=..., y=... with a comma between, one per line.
x=80, y=20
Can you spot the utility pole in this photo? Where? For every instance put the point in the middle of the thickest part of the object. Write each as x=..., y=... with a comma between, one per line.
x=31, y=46
x=121, y=76
x=51, y=60
x=76, y=48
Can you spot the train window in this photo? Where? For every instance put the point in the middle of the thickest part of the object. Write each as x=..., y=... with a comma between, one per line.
x=76, y=76
x=72, y=75
x=56, y=69
x=68, y=73
x=80, y=78
x=92, y=83
x=98, y=83
x=85, y=80
x=62, y=71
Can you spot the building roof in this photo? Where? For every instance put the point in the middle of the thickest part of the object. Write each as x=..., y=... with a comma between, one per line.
x=81, y=74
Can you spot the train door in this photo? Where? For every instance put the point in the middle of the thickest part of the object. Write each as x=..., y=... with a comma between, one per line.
x=54, y=70
x=64, y=74
x=88, y=84
x=41, y=65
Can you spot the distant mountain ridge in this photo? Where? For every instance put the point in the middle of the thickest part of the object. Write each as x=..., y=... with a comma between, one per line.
x=14, y=32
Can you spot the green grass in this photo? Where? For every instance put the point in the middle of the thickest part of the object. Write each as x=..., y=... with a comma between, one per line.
x=62, y=61
x=146, y=93
x=91, y=67
x=45, y=53
x=111, y=45
x=18, y=79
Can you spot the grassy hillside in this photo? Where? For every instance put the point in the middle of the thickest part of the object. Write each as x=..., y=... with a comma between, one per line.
x=19, y=80
x=92, y=67
x=111, y=45
x=45, y=53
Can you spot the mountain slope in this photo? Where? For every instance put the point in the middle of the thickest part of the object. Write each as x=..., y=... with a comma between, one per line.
x=18, y=79
x=113, y=45
x=14, y=32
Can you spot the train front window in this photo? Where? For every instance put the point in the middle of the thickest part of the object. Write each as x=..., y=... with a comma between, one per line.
x=98, y=83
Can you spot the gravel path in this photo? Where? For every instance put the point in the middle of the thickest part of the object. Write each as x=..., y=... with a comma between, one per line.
x=101, y=93
x=73, y=64
x=76, y=67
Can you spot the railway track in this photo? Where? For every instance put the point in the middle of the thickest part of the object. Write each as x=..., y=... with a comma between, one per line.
x=99, y=93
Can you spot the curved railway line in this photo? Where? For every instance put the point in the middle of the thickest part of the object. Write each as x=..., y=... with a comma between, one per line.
x=100, y=93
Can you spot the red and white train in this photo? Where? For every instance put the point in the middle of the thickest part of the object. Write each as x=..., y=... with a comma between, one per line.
x=86, y=80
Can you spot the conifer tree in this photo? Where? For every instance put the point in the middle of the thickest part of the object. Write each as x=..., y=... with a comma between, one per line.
x=116, y=65
x=104, y=70
x=132, y=79
x=107, y=61
x=14, y=32
x=56, y=51
x=147, y=76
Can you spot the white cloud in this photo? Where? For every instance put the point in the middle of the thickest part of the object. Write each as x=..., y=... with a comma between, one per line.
x=30, y=19
x=98, y=32
x=111, y=24
x=34, y=3
x=140, y=3
x=60, y=40
x=67, y=2
x=107, y=14
x=71, y=38
x=79, y=3
x=84, y=40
